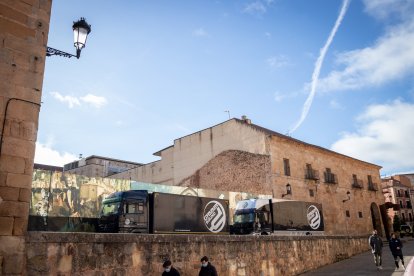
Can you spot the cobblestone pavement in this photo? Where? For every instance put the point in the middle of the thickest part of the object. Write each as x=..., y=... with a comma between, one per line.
x=363, y=264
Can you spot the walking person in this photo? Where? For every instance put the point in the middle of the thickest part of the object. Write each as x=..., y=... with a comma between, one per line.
x=169, y=270
x=376, y=244
x=207, y=269
x=396, y=250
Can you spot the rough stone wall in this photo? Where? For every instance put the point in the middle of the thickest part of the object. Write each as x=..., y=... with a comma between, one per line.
x=233, y=170
x=118, y=254
x=24, y=27
x=330, y=195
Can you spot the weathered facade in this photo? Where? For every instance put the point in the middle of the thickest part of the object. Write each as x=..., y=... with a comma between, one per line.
x=240, y=156
x=24, y=27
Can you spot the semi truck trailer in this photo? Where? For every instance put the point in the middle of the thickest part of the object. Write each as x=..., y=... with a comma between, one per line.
x=278, y=216
x=138, y=211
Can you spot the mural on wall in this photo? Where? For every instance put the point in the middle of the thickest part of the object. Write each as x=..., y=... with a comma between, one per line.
x=70, y=202
x=60, y=201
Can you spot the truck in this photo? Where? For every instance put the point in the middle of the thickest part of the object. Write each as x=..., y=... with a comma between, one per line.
x=138, y=211
x=277, y=216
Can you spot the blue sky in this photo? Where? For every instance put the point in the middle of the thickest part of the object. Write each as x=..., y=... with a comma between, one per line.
x=154, y=71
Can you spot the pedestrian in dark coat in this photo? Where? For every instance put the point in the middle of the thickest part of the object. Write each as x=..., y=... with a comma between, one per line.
x=207, y=269
x=375, y=242
x=396, y=250
x=169, y=270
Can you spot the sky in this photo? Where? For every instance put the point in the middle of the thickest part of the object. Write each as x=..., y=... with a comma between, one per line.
x=333, y=73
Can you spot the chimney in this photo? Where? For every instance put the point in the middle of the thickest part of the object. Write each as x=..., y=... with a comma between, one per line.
x=246, y=120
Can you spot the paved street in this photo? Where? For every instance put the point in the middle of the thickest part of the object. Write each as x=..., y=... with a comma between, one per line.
x=363, y=264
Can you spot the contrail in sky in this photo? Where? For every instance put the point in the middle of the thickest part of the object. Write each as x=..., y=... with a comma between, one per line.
x=318, y=66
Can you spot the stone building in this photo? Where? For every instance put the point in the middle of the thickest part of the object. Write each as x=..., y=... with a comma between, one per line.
x=397, y=190
x=98, y=166
x=237, y=155
x=24, y=28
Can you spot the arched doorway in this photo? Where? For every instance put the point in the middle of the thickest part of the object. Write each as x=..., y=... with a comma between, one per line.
x=376, y=219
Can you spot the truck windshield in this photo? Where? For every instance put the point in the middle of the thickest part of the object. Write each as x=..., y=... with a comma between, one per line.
x=110, y=208
x=241, y=218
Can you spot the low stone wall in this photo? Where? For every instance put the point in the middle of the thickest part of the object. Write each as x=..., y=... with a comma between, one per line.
x=130, y=254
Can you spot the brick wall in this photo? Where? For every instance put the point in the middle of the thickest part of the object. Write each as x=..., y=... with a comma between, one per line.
x=120, y=254
x=24, y=26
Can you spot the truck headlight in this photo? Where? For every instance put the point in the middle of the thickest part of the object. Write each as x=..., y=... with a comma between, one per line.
x=127, y=222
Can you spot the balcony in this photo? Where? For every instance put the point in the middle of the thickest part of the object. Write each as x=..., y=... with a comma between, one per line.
x=357, y=184
x=372, y=187
x=330, y=178
x=311, y=174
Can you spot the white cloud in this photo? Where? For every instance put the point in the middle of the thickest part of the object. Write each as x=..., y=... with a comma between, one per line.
x=120, y=123
x=335, y=105
x=384, y=137
x=382, y=9
x=47, y=156
x=391, y=58
x=256, y=7
x=93, y=100
x=71, y=101
x=279, y=97
x=200, y=32
x=278, y=61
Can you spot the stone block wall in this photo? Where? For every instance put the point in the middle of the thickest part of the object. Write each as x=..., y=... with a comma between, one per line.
x=130, y=254
x=233, y=170
x=24, y=27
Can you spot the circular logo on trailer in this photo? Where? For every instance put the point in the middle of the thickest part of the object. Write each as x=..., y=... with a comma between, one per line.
x=214, y=216
x=314, y=217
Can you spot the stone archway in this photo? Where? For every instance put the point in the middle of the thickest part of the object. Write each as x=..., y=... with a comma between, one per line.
x=376, y=219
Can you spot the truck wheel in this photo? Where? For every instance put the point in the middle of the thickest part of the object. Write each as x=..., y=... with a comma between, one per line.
x=264, y=234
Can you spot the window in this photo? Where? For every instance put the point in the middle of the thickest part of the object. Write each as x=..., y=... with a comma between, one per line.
x=401, y=205
x=134, y=207
x=410, y=217
x=406, y=194
x=354, y=178
x=311, y=193
x=329, y=176
x=403, y=217
x=369, y=180
x=286, y=166
x=408, y=204
x=398, y=193
x=360, y=214
x=347, y=213
x=311, y=173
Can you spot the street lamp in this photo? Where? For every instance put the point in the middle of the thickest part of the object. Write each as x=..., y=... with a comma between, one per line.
x=348, y=194
x=288, y=190
x=81, y=29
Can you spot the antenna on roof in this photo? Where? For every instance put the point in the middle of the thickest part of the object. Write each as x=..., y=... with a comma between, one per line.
x=80, y=155
x=228, y=112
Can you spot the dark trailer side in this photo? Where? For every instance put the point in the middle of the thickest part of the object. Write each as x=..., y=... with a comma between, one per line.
x=278, y=216
x=138, y=211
